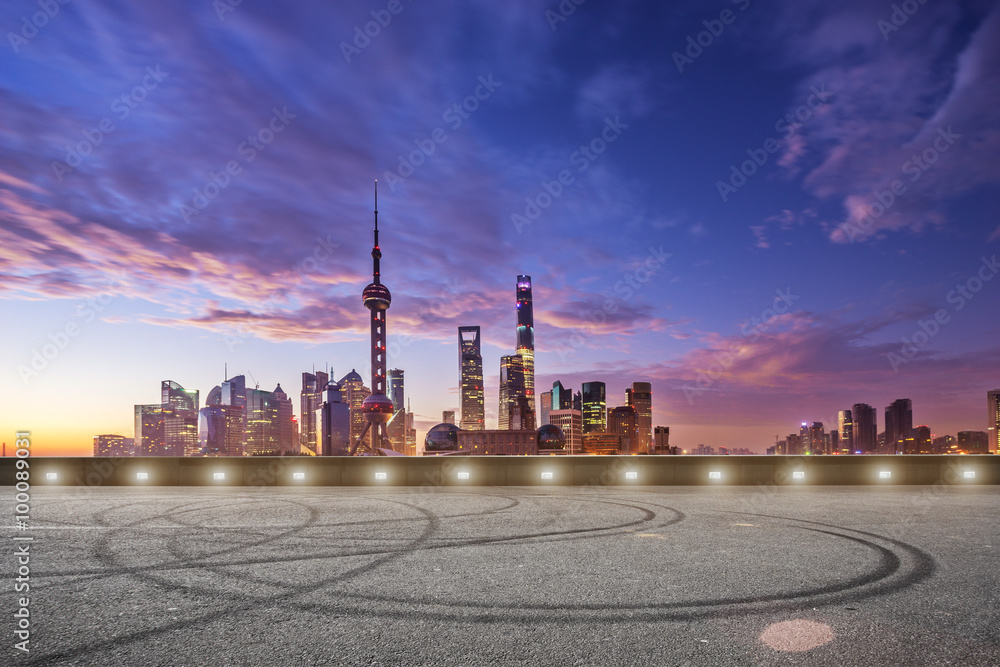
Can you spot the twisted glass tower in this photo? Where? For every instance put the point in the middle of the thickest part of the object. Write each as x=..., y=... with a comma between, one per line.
x=525, y=346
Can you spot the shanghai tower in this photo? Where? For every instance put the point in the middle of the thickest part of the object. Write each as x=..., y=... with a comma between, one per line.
x=377, y=408
x=526, y=336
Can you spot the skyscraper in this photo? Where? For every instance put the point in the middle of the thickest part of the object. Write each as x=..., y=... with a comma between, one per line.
x=641, y=398
x=377, y=408
x=448, y=416
x=817, y=439
x=470, y=363
x=622, y=420
x=545, y=399
x=335, y=422
x=845, y=425
x=898, y=424
x=595, y=407
x=993, y=419
x=269, y=423
x=354, y=392
x=571, y=423
x=113, y=445
x=562, y=398
x=222, y=430
x=396, y=427
x=525, y=346
x=149, y=438
x=310, y=401
x=180, y=425
x=511, y=388
x=865, y=428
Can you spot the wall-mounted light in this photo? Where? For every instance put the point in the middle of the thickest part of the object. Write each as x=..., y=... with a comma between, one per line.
x=218, y=476
x=631, y=474
x=142, y=476
x=51, y=476
x=463, y=475
x=298, y=476
x=715, y=475
x=884, y=474
x=547, y=475
x=798, y=474
x=969, y=474
x=381, y=476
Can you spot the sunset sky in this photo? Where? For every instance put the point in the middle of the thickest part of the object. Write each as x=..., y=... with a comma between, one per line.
x=185, y=185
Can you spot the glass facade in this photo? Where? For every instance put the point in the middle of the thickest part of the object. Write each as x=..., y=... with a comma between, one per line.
x=595, y=407
x=511, y=388
x=525, y=346
x=470, y=360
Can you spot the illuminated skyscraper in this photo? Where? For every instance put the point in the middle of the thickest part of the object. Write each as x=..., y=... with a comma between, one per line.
x=622, y=420
x=898, y=424
x=545, y=399
x=525, y=346
x=993, y=420
x=354, y=393
x=562, y=398
x=511, y=388
x=269, y=423
x=595, y=407
x=222, y=430
x=470, y=362
x=817, y=439
x=396, y=427
x=845, y=425
x=335, y=423
x=113, y=445
x=149, y=438
x=640, y=397
x=310, y=402
x=865, y=428
x=571, y=424
x=180, y=425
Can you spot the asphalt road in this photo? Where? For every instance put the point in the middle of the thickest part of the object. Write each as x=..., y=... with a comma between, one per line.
x=512, y=576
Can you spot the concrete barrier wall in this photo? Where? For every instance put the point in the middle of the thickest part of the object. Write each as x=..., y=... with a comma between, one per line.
x=507, y=471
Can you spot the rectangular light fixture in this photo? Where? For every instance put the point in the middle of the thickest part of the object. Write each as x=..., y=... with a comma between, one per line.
x=969, y=474
x=715, y=475
x=546, y=475
x=798, y=474
x=298, y=475
x=631, y=474
x=463, y=475
x=51, y=475
x=381, y=475
x=218, y=475
x=142, y=476
x=884, y=474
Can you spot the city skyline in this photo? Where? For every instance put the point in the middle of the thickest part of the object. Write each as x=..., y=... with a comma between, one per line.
x=755, y=215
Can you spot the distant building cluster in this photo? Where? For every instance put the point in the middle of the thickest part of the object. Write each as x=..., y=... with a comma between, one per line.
x=856, y=432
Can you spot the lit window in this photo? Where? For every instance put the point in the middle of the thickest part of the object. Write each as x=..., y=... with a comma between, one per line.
x=142, y=476
x=715, y=475
x=219, y=475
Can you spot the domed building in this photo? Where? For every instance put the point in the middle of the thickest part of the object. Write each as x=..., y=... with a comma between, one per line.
x=551, y=440
x=441, y=439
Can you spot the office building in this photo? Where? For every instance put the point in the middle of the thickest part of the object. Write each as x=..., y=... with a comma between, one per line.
x=448, y=417
x=993, y=420
x=357, y=392
x=149, y=431
x=817, y=439
x=602, y=443
x=622, y=420
x=640, y=397
x=335, y=422
x=470, y=363
x=501, y=442
x=113, y=445
x=396, y=427
x=545, y=400
x=865, y=428
x=221, y=428
x=973, y=442
x=269, y=423
x=525, y=338
x=919, y=441
x=898, y=424
x=594, y=407
x=661, y=441
x=511, y=388
x=845, y=429
x=562, y=398
x=180, y=425
x=310, y=402
x=570, y=422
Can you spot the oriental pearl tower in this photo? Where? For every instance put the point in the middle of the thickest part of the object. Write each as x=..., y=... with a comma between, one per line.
x=378, y=407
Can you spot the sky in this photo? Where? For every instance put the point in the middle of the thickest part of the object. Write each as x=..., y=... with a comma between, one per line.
x=769, y=210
